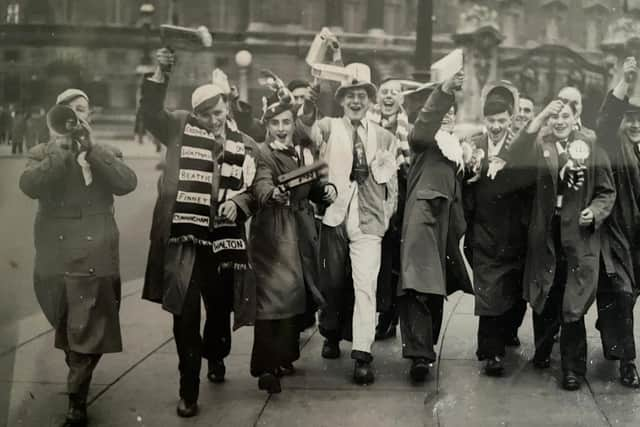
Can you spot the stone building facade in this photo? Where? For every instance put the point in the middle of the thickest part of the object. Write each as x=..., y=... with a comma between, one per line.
x=99, y=45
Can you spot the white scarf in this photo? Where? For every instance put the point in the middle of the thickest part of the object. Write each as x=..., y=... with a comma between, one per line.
x=450, y=146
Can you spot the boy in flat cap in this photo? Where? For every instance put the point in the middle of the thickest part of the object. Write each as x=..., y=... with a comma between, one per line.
x=619, y=134
x=198, y=243
x=77, y=271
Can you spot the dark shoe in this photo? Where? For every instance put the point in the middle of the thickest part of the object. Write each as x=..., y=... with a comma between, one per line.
x=285, y=371
x=331, y=349
x=362, y=373
x=187, y=410
x=419, y=370
x=269, y=383
x=77, y=413
x=629, y=375
x=217, y=370
x=494, y=367
x=512, y=341
x=541, y=363
x=570, y=381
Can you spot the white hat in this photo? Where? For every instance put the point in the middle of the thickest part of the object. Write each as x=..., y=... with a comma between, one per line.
x=359, y=77
x=69, y=95
x=205, y=93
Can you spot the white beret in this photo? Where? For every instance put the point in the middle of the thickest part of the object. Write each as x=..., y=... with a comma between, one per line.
x=70, y=94
x=205, y=93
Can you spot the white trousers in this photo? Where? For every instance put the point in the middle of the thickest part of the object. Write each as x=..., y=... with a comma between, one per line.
x=365, y=252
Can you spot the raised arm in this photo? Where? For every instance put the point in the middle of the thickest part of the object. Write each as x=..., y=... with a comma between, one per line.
x=430, y=118
x=107, y=162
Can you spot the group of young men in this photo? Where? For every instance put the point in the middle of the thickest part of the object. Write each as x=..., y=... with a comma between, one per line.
x=543, y=211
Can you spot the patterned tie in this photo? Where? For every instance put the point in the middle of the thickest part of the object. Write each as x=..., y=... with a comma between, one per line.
x=359, y=167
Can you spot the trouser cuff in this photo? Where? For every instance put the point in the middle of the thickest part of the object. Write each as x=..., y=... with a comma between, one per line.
x=362, y=356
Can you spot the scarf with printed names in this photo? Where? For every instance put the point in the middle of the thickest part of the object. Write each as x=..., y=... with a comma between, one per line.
x=195, y=216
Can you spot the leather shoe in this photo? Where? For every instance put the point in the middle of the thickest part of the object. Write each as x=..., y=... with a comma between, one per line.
x=494, y=367
x=331, y=349
x=217, y=371
x=77, y=413
x=419, y=370
x=362, y=373
x=269, y=383
x=541, y=363
x=187, y=410
x=629, y=375
x=570, y=381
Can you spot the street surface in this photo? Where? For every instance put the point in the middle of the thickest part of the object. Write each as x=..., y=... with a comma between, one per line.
x=139, y=386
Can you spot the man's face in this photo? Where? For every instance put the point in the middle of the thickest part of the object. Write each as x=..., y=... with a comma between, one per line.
x=214, y=118
x=299, y=95
x=573, y=96
x=497, y=125
x=630, y=126
x=280, y=127
x=390, y=97
x=448, y=121
x=355, y=103
x=80, y=106
x=562, y=124
x=525, y=113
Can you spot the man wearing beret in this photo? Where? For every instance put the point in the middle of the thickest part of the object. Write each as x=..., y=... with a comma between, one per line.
x=77, y=271
x=496, y=235
x=198, y=242
x=361, y=158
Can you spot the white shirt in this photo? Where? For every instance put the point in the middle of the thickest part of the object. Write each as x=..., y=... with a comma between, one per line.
x=494, y=148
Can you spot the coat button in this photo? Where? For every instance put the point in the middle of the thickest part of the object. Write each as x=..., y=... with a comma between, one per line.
x=92, y=270
x=89, y=238
x=61, y=237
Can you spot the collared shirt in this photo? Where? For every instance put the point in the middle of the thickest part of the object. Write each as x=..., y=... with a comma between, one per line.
x=363, y=128
x=495, y=148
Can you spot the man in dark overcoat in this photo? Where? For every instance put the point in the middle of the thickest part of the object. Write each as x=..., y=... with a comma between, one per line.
x=198, y=242
x=619, y=135
x=77, y=266
x=432, y=264
x=574, y=194
x=496, y=235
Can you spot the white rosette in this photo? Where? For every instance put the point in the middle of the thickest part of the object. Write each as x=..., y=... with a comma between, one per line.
x=248, y=170
x=579, y=151
x=449, y=145
x=383, y=167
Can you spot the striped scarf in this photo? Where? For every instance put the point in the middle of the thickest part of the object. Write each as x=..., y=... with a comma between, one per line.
x=195, y=216
x=401, y=123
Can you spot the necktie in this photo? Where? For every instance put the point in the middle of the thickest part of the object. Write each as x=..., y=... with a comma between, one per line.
x=359, y=167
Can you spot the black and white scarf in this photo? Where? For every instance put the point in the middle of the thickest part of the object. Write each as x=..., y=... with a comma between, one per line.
x=195, y=216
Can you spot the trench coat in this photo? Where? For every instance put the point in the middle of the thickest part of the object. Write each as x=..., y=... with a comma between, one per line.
x=284, y=243
x=535, y=159
x=169, y=266
x=496, y=235
x=77, y=272
x=433, y=223
x=621, y=231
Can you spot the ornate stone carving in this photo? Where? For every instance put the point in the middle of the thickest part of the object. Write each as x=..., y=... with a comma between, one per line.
x=596, y=6
x=478, y=18
x=621, y=31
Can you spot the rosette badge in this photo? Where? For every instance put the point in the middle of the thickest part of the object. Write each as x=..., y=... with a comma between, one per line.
x=579, y=151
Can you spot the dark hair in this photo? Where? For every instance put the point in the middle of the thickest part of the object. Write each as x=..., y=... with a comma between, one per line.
x=296, y=84
x=496, y=107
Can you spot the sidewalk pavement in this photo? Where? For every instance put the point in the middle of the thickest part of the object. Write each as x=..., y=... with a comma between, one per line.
x=139, y=386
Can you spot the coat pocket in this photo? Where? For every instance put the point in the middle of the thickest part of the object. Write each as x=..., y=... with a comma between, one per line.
x=431, y=204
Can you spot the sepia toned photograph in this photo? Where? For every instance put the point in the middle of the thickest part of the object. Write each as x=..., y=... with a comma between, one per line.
x=332, y=213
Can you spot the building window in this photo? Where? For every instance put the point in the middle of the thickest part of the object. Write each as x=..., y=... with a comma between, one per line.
x=393, y=17
x=355, y=15
x=13, y=13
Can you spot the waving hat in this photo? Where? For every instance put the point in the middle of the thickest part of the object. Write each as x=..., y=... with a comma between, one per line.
x=359, y=77
x=501, y=95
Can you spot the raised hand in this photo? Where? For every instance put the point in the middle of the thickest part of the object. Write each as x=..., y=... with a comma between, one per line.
x=453, y=83
x=630, y=70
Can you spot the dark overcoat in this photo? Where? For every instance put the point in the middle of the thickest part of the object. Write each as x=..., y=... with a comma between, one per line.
x=433, y=224
x=621, y=231
x=284, y=241
x=536, y=158
x=497, y=235
x=77, y=272
x=169, y=266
